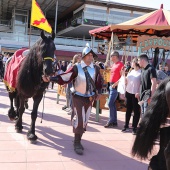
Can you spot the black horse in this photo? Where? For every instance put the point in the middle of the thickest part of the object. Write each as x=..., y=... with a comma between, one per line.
x=37, y=62
x=154, y=125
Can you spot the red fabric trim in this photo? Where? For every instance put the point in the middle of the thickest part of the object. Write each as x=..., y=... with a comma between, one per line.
x=105, y=28
x=60, y=81
x=12, y=69
x=102, y=32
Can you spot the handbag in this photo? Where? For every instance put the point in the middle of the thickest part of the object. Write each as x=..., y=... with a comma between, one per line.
x=121, y=88
x=121, y=85
x=144, y=96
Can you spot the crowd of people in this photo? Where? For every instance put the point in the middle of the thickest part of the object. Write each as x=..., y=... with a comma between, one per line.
x=141, y=81
x=3, y=58
x=79, y=79
x=83, y=83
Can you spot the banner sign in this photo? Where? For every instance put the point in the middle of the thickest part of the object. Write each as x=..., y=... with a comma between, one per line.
x=146, y=42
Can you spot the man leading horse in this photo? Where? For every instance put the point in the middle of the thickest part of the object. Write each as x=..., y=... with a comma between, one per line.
x=87, y=85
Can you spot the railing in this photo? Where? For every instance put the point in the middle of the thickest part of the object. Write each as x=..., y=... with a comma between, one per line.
x=18, y=37
x=5, y=22
x=66, y=41
x=12, y=40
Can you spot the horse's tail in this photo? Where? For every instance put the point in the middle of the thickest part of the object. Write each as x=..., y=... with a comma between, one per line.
x=155, y=114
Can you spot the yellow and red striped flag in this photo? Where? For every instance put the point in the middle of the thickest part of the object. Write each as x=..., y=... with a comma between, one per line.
x=38, y=19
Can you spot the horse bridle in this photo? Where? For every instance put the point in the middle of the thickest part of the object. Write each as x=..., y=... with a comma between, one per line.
x=48, y=58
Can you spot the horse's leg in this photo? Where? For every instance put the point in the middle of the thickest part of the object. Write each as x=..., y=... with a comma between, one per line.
x=20, y=110
x=154, y=165
x=17, y=105
x=167, y=154
x=26, y=103
x=31, y=133
x=167, y=149
x=11, y=111
x=158, y=162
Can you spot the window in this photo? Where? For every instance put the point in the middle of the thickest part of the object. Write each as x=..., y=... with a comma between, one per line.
x=120, y=13
x=94, y=10
x=21, y=20
x=136, y=15
x=117, y=16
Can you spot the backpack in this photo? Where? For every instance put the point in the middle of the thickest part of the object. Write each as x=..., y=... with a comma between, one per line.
x=161, y=75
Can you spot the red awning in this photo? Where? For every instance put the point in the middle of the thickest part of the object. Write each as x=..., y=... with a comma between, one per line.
x=153, y=23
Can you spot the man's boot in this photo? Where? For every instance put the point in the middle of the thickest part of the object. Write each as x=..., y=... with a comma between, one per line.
x=77, y=145
x=80, y=141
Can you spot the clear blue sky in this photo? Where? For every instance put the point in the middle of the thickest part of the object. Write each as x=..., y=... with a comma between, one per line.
x=145, y=3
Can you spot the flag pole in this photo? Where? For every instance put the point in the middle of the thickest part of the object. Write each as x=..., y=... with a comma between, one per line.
x=30, y=29
x=56, y=12
x=30, y=37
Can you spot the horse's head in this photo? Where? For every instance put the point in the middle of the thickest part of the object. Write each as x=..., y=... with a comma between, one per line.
x=48, y=53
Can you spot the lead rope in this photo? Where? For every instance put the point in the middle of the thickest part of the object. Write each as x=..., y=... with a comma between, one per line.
x=43, y=107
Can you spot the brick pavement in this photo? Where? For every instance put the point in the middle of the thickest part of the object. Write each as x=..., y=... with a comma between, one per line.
x=105, y=149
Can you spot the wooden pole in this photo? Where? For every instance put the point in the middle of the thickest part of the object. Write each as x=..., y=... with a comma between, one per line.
x=110, y=48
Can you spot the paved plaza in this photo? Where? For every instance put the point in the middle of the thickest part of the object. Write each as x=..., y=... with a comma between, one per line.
x=105, y=149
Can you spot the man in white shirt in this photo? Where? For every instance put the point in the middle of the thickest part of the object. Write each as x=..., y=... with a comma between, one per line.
x=87, y=85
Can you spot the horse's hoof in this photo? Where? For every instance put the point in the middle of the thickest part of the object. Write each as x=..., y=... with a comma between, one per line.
x=16, y=118
x=11, y=119
x=33, y=141
x=32, y=138
x=18, y=130
x=11, y=114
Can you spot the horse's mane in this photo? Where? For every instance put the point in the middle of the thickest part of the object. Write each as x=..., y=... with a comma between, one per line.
x=29, y=75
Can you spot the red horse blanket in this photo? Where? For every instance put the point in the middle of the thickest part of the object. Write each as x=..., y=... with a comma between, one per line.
x=12, y=69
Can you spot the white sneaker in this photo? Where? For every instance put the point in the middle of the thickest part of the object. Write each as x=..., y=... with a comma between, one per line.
x=68, y=109
x=70, y=112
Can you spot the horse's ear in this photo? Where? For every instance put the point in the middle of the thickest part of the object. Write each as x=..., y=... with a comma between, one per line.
x=43, y=35
x=53, y=35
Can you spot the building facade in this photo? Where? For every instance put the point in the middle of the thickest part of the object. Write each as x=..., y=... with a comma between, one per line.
x=71, y=19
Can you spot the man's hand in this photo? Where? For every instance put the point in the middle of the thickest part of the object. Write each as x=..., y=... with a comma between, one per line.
x=114, y=85
x=137, y=95
x=149, y=100
x=122, y=72
x=45, y=78
x=65, y=85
